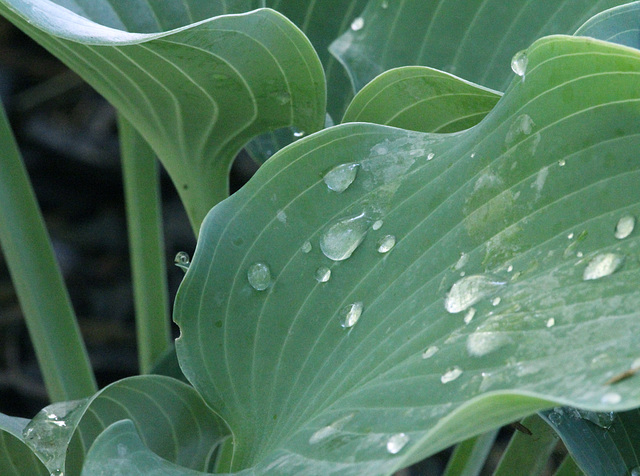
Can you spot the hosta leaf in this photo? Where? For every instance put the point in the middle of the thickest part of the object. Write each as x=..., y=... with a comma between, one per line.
x=619, y=25
x=173, y=420
x=197, y=93
x=421, y=99
x=601, y=443
x=525, y=205
x=473, y=40
x=16, y=458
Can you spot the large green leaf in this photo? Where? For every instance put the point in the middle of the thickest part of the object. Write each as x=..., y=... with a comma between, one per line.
x=508, y=289
x=197, y=93
x=473, y=40
x=170, y=416
x=16, y=458
x=421, y=99
x=619, y=25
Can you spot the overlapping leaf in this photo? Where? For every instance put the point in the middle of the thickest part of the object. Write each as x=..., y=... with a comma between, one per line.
x=618, y=25
x=524, y=206
x=171, y=417
x=196, y=93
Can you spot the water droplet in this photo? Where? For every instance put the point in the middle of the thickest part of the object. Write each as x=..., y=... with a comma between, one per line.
x=306, y=247
x=283, y=97
x=625, y=227
x=579, y=254
x=430, y=352
x=357, y=24
x=330, y=430
x=281, y=216
x=385, y=4
x=551, y=322
x=377, y=225
x=635, y=471
x=484, y=342
x=397, y=442
x=496, y=301
x=555, y=417
x=298, y=133
x=451, y=374
x=470, y=315
x=602, y=265
x=611, y=398
x=341, y=176
x=351, y=314
x=570, y=236
x=510, y=268
x=259, y=276
x=469, y=290
x=182, y=261
x=464, y=258
x=323, y=274
x=343, y=237
x=602, y=419
x=386, y=244
x=519, y=63
x=430, y=156
x=562, y=163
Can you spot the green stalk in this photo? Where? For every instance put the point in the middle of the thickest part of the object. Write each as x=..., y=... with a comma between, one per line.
x=528, y=454
x=146, y=244
x=38, y=281
x=469, y=456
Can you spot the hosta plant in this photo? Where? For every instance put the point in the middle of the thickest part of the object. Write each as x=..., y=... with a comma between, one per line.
x=441, y=239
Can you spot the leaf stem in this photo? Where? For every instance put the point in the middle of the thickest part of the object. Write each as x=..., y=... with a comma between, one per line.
x=469, y=456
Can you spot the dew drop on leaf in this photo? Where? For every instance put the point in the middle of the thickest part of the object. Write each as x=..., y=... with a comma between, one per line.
x=350, y=314
x=357, y=24
x=602, y=265
x=484, y=342
x=635, y=471
x=306, y=247
x=625, y=227
x=386, y=244
x=551, y=322
x=259, y=276
x=330, y=430
x=397, y=442
x=323, y=274
x=469, y=290
x=496, y=301
x=430, y=156
x=341, y=176
x=385, y=4
x=611, y=398
x=298, y=133
x=430, y=352
x=451, y=374
x=281, y=216
x=562, y=163
x=519, y=63
x=377, y=225
x=343, y=237
x=182, y=261
x=469, y=315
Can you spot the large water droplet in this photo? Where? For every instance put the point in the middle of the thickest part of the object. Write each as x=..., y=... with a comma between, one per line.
x=397, y=442
x=602, y=265
x=182, y=261
x=625, y=227
x=259, y=276
x=357, y=24
x=323, y=274
x=635, y=471
x=386, y=244
x=306, y=247
x=469, y=290
x=519, y=63
x=430, y=352
x=330, y=430
x=350, y=314
x=342, y=238
x=341, y=176
x=50, y=432
x=611, y=398
x=451, y=374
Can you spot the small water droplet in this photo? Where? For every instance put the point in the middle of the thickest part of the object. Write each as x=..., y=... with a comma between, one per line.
x=562, y=163
x=469, y=315
x=602, y=265
x=625, y=227
x=469, y=290
x=555, y=417
x=385, y=4
x=343, y=237
x=357, y=24
x=429, y=352
x=510, y=268
x=519, y=63
x=259, y=276
x=298, y=133
x=430, y=156
x=496, y=301
x=330, y=430
x=281, y=216
x=635, y=471
x=397, y=442
x=579, y=254
x=341, y=176
x=377, y=225
x=451, y=374
x=602, y=419
x=182, y=261
x=551, y=322
x=611, y=398
x=351, y=314
x=473, y=154
x=306, y=247
x=464, y=258
x=386, y=244
x=323, y=274
x=283, y=97
x=570, y=236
